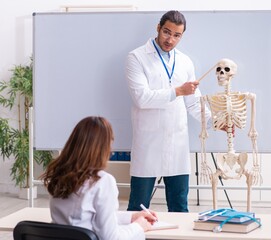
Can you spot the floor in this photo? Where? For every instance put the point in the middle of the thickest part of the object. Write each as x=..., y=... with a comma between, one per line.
x=10, y=203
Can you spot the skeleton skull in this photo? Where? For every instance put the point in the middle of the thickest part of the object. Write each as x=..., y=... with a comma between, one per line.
x=225, y=71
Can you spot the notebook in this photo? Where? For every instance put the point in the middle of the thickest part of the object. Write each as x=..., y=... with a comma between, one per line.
x=159, y=225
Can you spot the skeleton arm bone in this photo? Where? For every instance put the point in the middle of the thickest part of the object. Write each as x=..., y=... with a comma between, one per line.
x=205, y=172
x=253, y=134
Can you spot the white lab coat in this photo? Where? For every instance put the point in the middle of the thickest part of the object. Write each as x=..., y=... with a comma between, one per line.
x=160, y=145
x=95, y=208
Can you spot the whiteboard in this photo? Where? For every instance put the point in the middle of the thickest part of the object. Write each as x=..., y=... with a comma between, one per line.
x=79, y=70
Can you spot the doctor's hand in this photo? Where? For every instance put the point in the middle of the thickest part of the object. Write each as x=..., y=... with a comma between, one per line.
x=186, y=89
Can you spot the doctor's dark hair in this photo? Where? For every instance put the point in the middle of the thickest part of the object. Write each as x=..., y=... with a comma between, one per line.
x=174, y=17
x=86, y=152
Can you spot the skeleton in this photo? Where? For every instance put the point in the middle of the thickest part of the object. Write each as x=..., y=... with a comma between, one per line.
x=229, y=110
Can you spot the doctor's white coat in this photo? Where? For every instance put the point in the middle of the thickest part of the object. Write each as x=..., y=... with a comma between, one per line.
x=160, y=145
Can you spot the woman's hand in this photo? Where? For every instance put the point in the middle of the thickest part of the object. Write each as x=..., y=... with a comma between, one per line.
x=144, y=223
x=150, y=217
x=144, y=219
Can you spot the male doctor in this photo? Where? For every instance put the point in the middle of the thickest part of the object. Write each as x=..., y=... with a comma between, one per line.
x=161, y=82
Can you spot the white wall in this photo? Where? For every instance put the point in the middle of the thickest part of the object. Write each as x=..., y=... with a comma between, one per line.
x=16, y=36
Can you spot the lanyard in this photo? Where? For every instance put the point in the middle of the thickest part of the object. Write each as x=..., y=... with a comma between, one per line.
x=162, y=60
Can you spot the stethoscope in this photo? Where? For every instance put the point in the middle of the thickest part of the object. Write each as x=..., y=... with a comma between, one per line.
x=221, y=211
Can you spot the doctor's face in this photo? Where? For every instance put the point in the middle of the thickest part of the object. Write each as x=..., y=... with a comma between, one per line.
x=169, y=35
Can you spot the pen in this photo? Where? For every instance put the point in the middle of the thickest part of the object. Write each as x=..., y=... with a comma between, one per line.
x=147, y=211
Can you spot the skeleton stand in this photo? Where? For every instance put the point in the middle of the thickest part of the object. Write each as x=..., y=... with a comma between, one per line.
x=229, y=110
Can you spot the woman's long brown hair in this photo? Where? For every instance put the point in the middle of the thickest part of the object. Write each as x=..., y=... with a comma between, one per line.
x=85, y=153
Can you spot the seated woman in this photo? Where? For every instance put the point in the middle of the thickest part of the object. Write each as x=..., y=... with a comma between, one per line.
x=83, y=194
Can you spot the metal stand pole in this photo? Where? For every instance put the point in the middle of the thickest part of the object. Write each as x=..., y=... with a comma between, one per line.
x=197, y=177
x=159, y=181
x=31, y=158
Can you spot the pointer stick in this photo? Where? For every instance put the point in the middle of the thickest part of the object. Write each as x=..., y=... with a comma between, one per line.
x=204, y=75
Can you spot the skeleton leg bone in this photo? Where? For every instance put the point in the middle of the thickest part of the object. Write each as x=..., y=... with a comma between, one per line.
x=249, y=180
x=214, y=181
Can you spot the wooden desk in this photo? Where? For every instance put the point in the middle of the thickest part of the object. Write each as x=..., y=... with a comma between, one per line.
x=32, y=214
x=185, y=230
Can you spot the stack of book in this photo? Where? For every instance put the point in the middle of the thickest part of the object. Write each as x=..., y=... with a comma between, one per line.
x=227, y=220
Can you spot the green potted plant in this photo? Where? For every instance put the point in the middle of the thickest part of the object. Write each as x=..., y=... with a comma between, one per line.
x=17, y=94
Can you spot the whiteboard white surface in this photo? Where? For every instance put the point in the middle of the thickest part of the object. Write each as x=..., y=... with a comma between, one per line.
x=79, y=69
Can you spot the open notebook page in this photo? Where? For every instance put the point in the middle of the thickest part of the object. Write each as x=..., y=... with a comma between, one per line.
x=159, y=225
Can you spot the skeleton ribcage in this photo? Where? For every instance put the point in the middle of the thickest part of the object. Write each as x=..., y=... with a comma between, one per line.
x=228, y=109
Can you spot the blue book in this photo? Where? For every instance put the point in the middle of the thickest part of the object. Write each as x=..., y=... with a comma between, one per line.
x=127, y=156
x=244, y=227
x=223, y=214
x=121, y=156
x=113, y=156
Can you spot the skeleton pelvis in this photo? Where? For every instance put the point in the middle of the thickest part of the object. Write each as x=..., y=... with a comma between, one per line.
x=232, y=165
